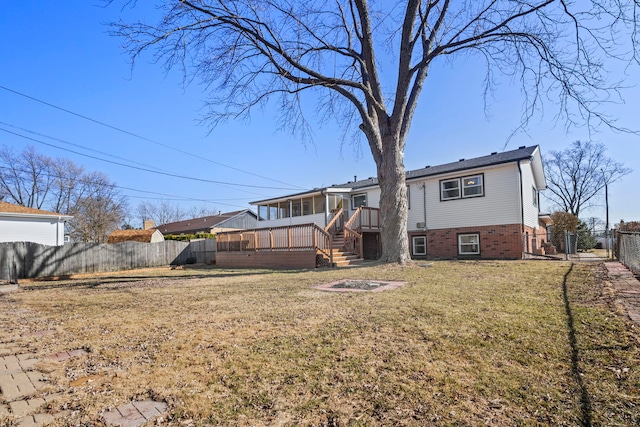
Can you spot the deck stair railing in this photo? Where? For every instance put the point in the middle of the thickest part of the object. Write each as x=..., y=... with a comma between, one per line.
x=363, y=219
x=336, y=224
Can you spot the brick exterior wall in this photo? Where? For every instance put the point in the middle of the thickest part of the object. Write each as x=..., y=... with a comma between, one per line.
x=496, y=242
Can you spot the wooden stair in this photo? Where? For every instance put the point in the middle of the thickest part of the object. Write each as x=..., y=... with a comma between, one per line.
x=342, y=258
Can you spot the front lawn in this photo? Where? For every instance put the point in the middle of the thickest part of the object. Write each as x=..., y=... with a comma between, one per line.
x=463, y=343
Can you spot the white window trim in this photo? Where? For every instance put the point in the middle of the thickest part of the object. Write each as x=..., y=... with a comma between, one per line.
x=442, y=189
x=460, y=244
x=535, y=196
x=353, y=205
x=413, y=245
x=462, y=187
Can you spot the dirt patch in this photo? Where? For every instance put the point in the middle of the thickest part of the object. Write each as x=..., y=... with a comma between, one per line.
x=349, y=285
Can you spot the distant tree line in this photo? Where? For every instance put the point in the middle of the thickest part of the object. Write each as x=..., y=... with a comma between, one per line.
x=34, y=180
x=29, y=178
x=576, y=177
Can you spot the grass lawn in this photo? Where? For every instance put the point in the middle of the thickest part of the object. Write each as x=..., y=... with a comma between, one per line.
x=462, y=344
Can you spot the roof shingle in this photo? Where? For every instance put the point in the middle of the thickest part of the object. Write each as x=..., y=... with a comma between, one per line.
x=6, y=207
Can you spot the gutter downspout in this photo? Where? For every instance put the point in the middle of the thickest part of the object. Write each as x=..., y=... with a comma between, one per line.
x=424, y=203
x=520, y=191
x=424, y=206
x=326, y=207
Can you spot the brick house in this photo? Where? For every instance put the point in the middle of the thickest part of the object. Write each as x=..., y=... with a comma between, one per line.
x=486, y=207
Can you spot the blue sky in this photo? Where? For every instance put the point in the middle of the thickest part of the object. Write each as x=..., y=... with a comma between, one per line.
x=60, y=53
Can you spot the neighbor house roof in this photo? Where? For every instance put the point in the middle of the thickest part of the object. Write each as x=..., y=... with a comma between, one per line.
x=143, y=236
x=199, y=224
x=12, y=209
x=492, y=159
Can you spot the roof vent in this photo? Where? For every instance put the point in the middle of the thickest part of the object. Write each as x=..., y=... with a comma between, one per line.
x=521, y=147
x=427, y=167
x=494, y=153
x=461, y=160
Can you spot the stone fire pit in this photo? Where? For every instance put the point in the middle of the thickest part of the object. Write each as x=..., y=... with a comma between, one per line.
x=359, y=285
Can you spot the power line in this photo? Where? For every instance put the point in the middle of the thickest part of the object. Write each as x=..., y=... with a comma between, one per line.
x=144, y=169
x=77, y=145
x=93, y=150
x=173, y=196
x=144, y=138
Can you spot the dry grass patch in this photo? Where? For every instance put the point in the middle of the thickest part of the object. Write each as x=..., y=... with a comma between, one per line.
x=463, y=343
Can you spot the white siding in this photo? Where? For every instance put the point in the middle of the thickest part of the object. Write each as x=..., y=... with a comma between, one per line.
x=499, y=205
x=43, y=231
x=416, y=210
x=530, y=210
x=373, y=198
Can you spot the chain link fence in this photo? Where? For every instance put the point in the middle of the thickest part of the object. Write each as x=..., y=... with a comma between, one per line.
x=628, y=245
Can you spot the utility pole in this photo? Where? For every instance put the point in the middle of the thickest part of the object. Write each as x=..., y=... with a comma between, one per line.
x=606, y=203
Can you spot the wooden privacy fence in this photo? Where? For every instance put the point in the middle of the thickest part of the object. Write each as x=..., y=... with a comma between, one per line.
x=20, y=260
x=202, y=251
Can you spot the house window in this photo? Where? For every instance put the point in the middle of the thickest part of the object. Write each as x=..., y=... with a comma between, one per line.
x=468, y=244
x=296, y=208
x=283, y=209
x=419, y=245
x=472, y=186
x=307, y=204
x=450, y=189
x=408, y=196
x=358, y=200
x=273, y=211
x=535, y=196
x=467, y=186
x=263, y=212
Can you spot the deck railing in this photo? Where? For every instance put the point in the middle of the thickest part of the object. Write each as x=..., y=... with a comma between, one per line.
x=285, y=238
x=363, y=219
x=336, y=224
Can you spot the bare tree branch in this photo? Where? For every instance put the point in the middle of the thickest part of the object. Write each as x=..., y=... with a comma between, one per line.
x=248, y=52
x=578, y=174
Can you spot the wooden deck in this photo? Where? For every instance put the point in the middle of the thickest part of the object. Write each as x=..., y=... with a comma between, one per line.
x=296, y=246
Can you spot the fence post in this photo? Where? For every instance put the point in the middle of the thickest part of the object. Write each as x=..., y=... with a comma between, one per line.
x=270, y=238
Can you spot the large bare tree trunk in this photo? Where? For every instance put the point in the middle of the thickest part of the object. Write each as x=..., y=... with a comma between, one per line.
x=393, y=203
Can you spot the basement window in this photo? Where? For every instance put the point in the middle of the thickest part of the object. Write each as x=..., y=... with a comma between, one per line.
x=469, y=244
x=419, y=245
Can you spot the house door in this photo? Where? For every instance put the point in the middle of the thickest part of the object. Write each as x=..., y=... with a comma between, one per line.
x=345, y=209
